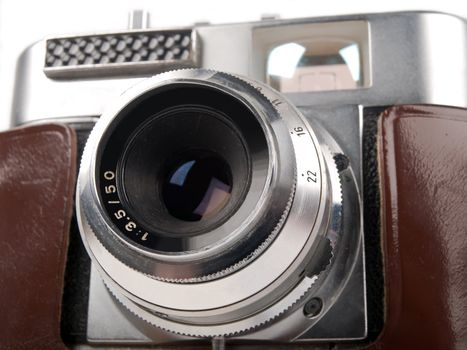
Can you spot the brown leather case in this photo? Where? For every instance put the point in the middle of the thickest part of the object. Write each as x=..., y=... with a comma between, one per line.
x=37, y=176
x=423, y=173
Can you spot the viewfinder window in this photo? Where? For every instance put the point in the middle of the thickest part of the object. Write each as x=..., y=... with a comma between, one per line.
x=315, y=66
x=314, y=56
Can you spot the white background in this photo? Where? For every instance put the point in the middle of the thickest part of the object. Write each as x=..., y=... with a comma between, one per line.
x=22, y=22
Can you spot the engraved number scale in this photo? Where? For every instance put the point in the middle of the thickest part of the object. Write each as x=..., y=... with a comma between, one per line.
x=110, y=195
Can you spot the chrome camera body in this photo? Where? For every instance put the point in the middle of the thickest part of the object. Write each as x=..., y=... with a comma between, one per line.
x=221, y=193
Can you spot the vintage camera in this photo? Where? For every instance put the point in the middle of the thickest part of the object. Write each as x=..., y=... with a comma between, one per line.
x=225, y=189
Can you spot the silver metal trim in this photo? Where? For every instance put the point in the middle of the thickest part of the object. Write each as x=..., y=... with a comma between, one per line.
x=408, y=65
x=69, y=120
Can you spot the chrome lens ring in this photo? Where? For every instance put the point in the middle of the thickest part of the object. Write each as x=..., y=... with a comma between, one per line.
x=262, y=210
x=275, y=271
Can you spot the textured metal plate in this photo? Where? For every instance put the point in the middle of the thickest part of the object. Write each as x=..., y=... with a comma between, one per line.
x=119, y=53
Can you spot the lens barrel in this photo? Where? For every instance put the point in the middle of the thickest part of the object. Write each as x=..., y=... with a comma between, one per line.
x=206, y=198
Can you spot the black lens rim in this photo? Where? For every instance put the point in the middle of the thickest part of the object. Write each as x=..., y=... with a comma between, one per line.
x=167, y=225
x=118, y=134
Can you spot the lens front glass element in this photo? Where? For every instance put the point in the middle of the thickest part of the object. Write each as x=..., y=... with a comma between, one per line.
x=197, y=185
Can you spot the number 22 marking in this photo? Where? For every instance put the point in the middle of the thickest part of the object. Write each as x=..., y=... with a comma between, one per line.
x=311, y=176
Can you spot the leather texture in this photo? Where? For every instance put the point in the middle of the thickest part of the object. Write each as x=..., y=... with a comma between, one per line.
x=423, y=177
x=37, y=177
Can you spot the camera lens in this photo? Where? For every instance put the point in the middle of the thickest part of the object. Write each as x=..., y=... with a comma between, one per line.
x=205, y=197
x=197, y=185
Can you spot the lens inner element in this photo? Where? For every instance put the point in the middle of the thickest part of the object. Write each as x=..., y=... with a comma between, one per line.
x=185, y=171
x=198, y=184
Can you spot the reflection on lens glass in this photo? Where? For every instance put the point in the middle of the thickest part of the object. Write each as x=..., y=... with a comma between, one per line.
x=197, y=186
